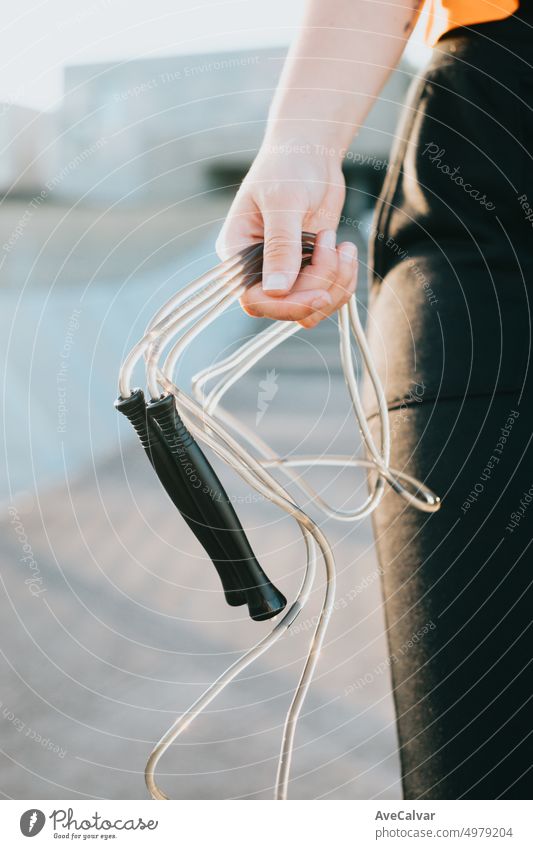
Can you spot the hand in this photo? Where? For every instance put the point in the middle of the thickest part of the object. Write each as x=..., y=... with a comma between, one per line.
x=289, y=188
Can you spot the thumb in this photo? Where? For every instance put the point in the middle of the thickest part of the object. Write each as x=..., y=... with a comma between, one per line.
x=282, y=256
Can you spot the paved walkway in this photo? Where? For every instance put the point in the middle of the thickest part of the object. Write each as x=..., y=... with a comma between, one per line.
x=130, y=625
x=126, y=624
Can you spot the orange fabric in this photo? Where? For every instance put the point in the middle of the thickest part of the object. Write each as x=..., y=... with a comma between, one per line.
x=443, y=15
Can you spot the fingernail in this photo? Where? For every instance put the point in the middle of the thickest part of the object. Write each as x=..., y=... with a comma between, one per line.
x=329, y=239
x=349, y=251
x=278, y=281
x=321, y=302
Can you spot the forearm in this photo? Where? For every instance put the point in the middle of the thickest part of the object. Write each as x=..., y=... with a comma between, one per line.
x=336, y=67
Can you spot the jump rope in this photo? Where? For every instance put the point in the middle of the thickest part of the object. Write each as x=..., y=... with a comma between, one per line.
x=169, y=425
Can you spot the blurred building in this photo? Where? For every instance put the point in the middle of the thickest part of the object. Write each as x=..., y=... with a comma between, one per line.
x=165, y=128
x=28, y=141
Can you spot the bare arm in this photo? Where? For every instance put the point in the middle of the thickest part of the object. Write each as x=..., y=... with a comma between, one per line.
x=335, y=69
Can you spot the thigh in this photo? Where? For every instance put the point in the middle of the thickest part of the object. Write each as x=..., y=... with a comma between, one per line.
x=458, y=597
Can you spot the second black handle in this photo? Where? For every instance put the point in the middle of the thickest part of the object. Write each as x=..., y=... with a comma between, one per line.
x=263, y=598
x=162, y=460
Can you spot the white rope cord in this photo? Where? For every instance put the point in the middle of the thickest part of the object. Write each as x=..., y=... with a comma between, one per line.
x=202, y=302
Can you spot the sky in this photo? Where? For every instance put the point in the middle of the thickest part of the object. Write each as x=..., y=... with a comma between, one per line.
x=41, y=37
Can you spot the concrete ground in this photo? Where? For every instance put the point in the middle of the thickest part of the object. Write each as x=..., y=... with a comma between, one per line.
x=115, y=622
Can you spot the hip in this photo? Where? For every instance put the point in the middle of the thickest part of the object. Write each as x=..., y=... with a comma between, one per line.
x=452, y=258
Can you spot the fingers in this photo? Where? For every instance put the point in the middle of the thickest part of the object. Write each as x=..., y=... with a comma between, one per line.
x=322, y=271
x=315, y=292
x=320, y=274
x=282, y=255
x=321, y=288
x=295, y=306
x=343, y=286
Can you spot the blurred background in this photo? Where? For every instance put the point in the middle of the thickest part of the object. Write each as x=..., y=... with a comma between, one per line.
x=125, y=129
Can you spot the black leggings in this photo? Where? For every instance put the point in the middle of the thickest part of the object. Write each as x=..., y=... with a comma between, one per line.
x=450, y=327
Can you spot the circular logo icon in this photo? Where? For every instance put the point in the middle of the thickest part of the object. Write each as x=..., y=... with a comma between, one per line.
x=32, y=822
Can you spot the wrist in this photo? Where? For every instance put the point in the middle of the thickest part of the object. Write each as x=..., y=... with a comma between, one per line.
x=305, y=140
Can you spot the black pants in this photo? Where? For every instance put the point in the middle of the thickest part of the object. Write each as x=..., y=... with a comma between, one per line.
x=450, y=327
